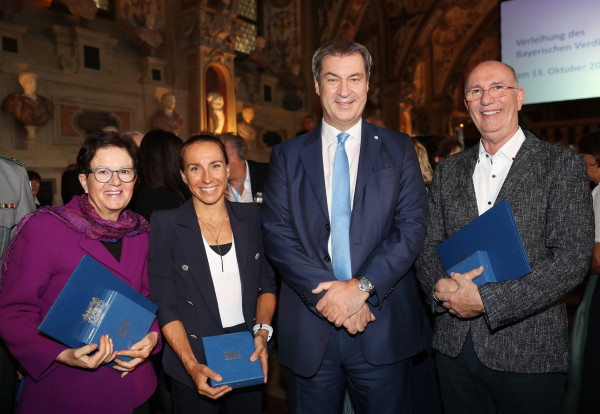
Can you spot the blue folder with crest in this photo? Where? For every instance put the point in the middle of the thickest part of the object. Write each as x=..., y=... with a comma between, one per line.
x=95, y=302
x=229, y=356
x=493, y=241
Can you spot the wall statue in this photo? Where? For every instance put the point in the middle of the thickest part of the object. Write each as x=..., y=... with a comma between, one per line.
x=28, y=108
x=259, y=55
x=84, y=9
x=216, y=115
x=145, y=16
x=166, y=118
x=245, y=129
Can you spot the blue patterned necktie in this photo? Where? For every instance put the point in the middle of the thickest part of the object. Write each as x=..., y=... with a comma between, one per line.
x=340, y=212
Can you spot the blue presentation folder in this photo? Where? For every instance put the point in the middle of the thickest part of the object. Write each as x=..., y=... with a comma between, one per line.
x=95, y=302
x=493, y=241
x=229, y=356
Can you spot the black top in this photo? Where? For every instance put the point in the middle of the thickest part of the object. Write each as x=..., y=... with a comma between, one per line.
x=114, y=248
x=221, y=249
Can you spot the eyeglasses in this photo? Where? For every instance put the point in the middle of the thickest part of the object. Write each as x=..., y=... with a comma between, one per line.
x=496, y=91
x=104, y=175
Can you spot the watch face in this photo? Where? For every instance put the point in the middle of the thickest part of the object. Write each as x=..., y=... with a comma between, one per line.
x=364, y=284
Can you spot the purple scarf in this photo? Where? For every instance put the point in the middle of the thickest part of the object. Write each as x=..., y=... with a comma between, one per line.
x=79, y=215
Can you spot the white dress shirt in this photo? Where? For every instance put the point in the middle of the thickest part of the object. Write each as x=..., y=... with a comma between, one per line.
x=329, y=143
x=232, y=194
x=491, y=171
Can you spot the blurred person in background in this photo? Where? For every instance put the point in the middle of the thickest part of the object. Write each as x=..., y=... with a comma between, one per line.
x=16, y=201
x=439, y=147
x=35, y=180
x=589, y=398
x=160, y=187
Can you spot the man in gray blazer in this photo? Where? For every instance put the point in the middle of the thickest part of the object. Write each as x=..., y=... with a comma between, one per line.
x=504, y=345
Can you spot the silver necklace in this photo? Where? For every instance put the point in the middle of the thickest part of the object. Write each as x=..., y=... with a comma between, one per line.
x=216, y=239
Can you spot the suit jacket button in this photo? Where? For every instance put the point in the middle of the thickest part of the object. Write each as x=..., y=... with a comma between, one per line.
x=185, y=267
x=327, y=258
x=328, y=227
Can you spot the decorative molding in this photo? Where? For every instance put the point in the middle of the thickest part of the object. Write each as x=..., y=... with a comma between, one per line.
x=70, y=43
x=77, y=116
x=12, y=62
x=150, y=65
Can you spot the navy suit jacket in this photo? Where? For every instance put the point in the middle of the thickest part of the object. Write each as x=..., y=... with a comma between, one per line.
x=387, y=230
x=180, y=280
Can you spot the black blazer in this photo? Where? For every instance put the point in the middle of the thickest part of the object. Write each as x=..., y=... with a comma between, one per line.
x=180, y=280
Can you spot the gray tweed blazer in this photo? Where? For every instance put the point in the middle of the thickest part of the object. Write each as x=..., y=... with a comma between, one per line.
x=524, y=328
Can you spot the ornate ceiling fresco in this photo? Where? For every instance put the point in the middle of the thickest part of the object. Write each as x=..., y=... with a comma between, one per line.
x=421, y=48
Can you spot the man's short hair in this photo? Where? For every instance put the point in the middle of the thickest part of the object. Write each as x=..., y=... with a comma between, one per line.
x=340, y=48
x=234, y=145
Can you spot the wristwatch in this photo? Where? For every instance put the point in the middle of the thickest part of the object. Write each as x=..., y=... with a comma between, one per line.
x=365, y=284
x=264, y=326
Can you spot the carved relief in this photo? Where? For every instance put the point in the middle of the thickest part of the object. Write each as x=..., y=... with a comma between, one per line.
x=283, y=34
x=449, y=39
x=404, y=19
x=145, y=18
x=200, y=27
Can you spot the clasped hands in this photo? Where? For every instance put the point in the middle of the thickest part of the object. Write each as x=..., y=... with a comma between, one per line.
x=460, y=295
x=344, y=304
x=81, y=358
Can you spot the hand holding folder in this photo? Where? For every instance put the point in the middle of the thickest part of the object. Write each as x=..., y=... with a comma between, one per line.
x=229, y=355
x=493, y=241
x=94, y=303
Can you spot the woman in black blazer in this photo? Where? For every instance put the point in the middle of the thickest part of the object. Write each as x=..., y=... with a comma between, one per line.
x=209, y=276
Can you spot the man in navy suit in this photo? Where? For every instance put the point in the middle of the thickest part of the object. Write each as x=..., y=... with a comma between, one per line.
x=355, y=328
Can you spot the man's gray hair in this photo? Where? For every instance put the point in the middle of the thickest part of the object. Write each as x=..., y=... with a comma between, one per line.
x=234, y=145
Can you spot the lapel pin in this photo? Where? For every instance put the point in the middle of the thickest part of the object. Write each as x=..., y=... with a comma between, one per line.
x=376, y=137
x=185, y=267
x=257, y=256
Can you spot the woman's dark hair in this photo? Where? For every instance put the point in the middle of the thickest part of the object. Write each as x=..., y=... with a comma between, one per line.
x=158, y=159
x=590, y=144
x=202, y=137
x=102, y=139
x=438, y=146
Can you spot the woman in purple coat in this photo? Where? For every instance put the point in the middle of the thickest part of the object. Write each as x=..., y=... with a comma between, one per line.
x=45, y=250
